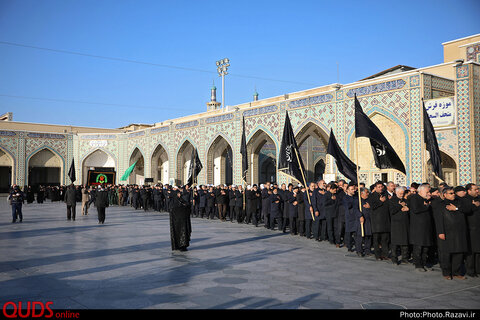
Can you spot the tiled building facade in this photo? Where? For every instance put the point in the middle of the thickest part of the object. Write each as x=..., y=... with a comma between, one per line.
x=162, y=151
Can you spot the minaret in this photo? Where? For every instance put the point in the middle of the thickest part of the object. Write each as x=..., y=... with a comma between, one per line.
x=213, y=104
x=255, y=95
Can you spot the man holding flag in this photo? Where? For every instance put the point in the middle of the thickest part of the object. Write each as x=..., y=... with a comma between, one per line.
x=290, y=162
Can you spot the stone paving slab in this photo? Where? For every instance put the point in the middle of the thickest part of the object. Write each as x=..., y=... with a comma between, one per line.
x=127, y=263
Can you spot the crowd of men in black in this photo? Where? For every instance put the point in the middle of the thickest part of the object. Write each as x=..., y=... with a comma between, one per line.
x=420, y=224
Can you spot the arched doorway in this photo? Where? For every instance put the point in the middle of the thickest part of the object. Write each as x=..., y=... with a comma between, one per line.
x=220, y=162
x=98, y=167
x=138, y=174
x=268, y=170
x=44, y=168
x=312, y=143
x=449, y=170
x=6, y=171
x=160, y=165
x=263, y=158
x=319, y=170
x=184, y=156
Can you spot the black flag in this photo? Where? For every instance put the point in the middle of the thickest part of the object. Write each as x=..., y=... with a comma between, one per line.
x=194, y=168
x=431, y=143
x=290, y=161
x=383, y=153
x=71, y=172
x=243, y=151
x=346, y=166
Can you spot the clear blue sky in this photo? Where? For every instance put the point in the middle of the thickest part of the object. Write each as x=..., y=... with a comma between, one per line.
x=296, y=43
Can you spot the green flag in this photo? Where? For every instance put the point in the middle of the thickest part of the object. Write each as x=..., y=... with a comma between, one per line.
x=128, y=172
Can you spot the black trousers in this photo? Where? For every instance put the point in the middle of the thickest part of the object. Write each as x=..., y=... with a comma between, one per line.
x=349, y=240
x=451, y=263
x=316, y=227
x=279, y=222
x=158, y=204
x=101, y=214
x=293, y=225
x=403, y=251
x=255, y=217
x=472, y=263
x=266, y=218
x=202, y=211
x=301, y=227
x=210, y=212
x=308, y=228
x=332, y=226
x=380, y=244
x=363, y=244
x=340, y=232
x=239, y=214
x=420, y=254
x=71, y=213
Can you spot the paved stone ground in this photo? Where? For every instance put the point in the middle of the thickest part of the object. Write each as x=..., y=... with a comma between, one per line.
x=127, y=263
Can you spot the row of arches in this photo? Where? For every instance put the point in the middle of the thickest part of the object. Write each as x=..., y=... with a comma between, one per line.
x=47, y=167
x=219, y=159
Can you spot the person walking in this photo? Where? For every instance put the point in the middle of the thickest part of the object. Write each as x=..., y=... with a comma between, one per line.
x=85, y=198
x=71, y=201
x=101, y=202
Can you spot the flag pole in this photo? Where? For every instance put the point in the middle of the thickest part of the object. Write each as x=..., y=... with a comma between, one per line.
x=358, y=185
x=424, y=144
x=305, y=182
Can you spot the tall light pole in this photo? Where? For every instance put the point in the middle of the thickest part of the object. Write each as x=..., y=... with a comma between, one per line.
x=222, y=67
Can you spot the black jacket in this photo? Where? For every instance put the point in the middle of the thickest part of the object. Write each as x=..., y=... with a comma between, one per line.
x=71, y=196
x=421, y=222
x=400, y=222
x=380, y=214
x=453, y=225
x=101, y=201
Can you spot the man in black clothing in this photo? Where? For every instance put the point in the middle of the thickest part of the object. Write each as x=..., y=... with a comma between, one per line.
x=319, y=226
x=266, y=204
x=380, y=218
x=71, y=201
x=239, y=204
x=342, y=186
x=421, y=226
x=255, y=197
x=210, y=203
x=301, y=211
x=292, y=203
x=400, y=223
x=157, y=198
x=452, y=229
x=331, y=214
x=472, y=204
x=101, y=202
x=135, y=198
x=231, y=202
